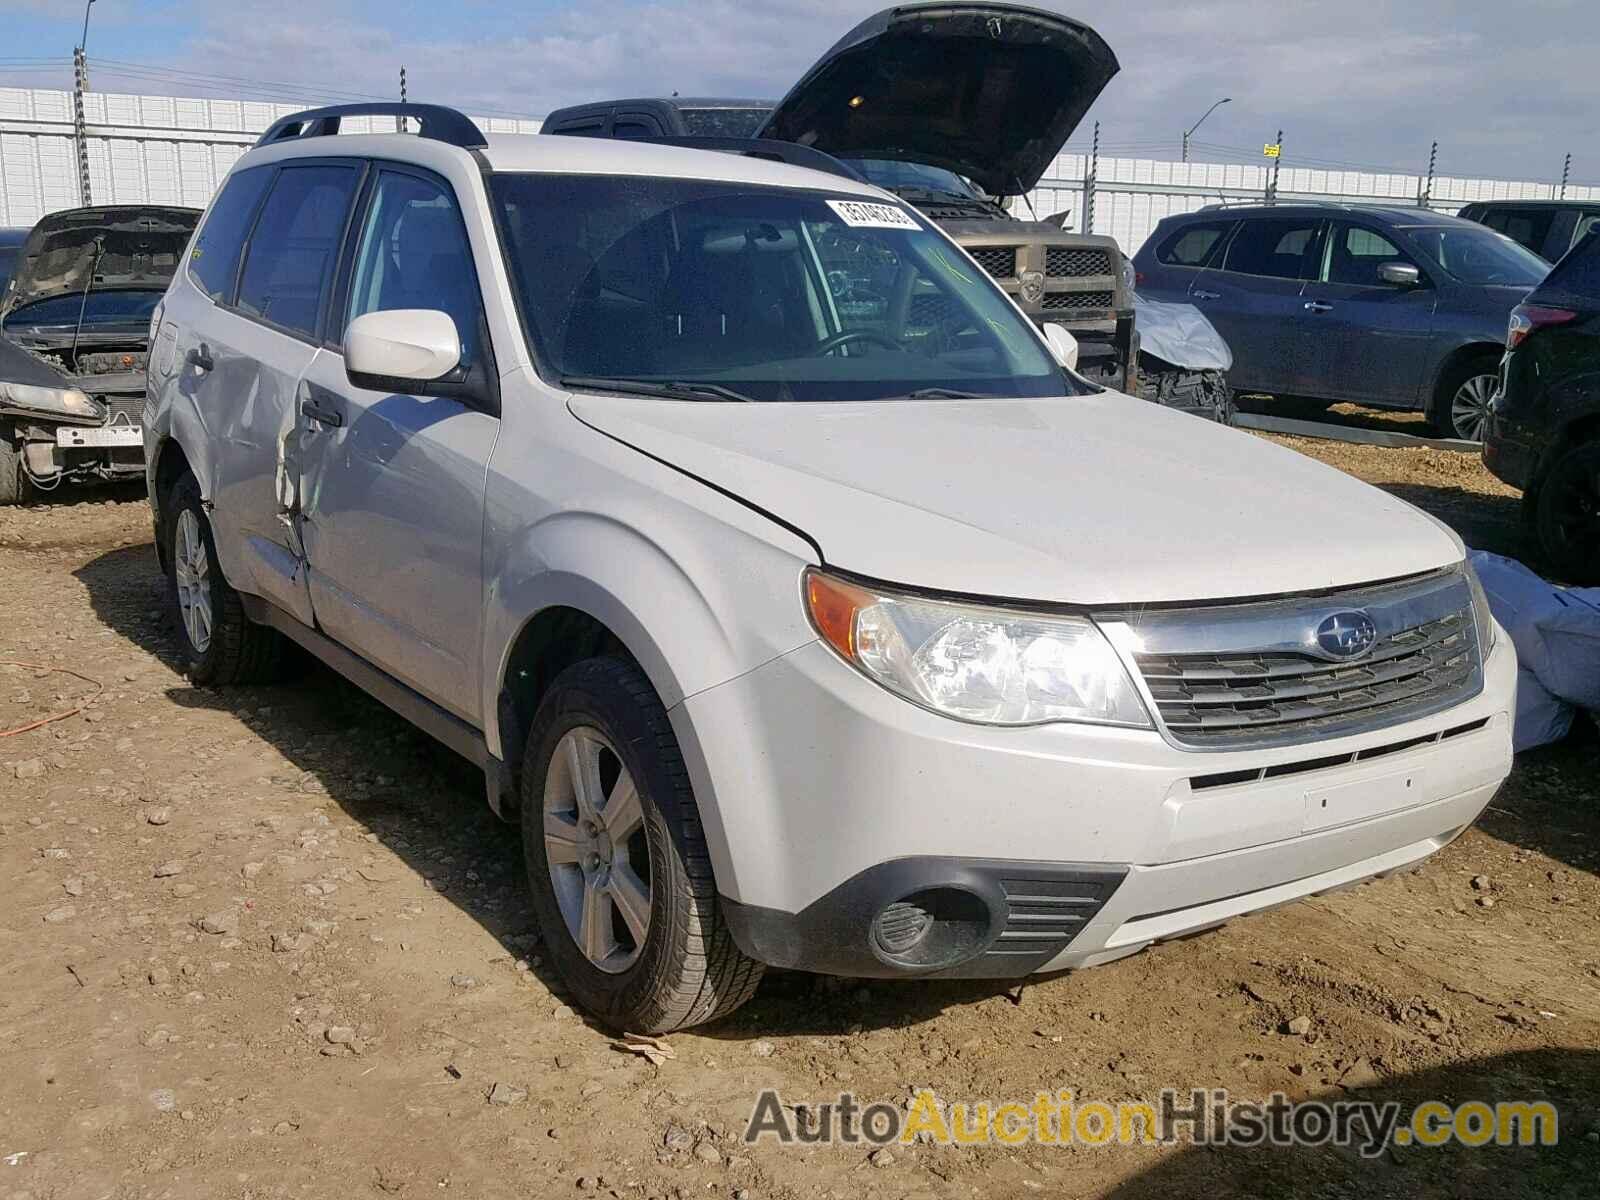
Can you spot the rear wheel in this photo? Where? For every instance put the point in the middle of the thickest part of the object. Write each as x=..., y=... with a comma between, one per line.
x=220, y=644
x=617, y=859
x=1567, y=515
x=1460, y=406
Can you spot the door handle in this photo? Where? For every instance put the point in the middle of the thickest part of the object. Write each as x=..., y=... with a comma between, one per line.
x=1199, y=295
x=322, y=416
x=1318, y=306
x=199, y=357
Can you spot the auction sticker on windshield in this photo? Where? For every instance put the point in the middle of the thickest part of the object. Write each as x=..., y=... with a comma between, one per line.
x=858, y=214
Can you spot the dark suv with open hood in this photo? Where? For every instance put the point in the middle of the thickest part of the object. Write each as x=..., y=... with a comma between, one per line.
x=950, y=108
x=74, y=338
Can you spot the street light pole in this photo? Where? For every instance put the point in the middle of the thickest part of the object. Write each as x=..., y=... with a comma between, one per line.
x=83, y=42
x=1186, y=132
x=80, y=130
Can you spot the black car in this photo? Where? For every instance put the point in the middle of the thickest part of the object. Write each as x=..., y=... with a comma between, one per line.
x=1544, y=430
x=74, y=339
x=1547, y=227
x=10, y=246
x=1368, y=304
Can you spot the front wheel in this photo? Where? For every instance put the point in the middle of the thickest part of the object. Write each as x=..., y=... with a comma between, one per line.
x=1460, y=407
x=1566, y=515
x=617, y=859
x=15, y=487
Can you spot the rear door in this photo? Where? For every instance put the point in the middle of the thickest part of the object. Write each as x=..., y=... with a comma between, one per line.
x=1253, y=298
x=1368, y=340
x=245, y=364
x=1178, y=256
x=392, y=512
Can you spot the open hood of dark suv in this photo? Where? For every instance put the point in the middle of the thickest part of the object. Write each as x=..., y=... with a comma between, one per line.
x=990, y=91
x=124, y=246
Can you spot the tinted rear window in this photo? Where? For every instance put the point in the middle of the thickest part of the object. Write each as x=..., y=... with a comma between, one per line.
x=214, y=256
x=1280, y=247
x=1190, y=246
x=1579, y=271
x=293, y=247
x=1528, y=226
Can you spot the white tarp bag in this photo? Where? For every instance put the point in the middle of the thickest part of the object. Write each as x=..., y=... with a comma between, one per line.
x=1556, y=632
x=1179, y=334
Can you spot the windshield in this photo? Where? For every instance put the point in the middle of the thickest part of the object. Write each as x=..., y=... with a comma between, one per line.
x=896, y=176
x=101, y=308
x=769, y=294
x=8, y=264
x=723, y=122
x=1480, y=256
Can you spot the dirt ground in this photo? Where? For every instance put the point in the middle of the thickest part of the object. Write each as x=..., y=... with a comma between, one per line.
x=269, y=942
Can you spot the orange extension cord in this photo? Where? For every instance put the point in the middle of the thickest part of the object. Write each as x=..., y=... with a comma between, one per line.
x=60, y=716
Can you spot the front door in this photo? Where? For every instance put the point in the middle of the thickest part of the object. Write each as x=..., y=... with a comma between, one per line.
x=1369, y=338
x=1254, y=300
x=393, y=484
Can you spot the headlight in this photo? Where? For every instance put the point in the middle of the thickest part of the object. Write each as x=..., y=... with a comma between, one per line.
x=991, y=666
x=1481, y=616
x=1129, y=276
x=25, y=399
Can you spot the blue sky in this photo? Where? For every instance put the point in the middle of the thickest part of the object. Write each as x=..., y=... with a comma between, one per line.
x=1506, y=89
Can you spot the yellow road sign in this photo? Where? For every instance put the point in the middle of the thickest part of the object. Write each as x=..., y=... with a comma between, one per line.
x=1271, y=149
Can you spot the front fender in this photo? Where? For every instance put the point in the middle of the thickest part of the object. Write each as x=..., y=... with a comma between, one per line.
x=690, y=615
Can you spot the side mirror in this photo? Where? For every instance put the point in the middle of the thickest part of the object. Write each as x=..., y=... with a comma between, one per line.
x=1399, y=274
x=401, y=347
x=1062, y=344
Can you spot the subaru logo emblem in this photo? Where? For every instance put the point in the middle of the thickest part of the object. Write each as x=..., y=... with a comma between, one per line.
x=1032, y=286
x=1346, y=635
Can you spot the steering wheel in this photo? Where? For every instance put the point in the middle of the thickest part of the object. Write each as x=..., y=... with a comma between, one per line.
x=843, y=338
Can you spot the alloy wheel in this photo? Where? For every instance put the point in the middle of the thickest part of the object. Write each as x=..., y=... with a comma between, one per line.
x=597, y=849
x=192, y=571
x=1469, y=407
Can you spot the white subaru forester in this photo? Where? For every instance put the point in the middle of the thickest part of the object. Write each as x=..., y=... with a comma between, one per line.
x=796, y=597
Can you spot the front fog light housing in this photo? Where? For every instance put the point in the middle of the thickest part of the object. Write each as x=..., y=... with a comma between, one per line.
x=990, y=666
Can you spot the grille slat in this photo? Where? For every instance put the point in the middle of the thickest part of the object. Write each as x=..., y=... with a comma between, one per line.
x=1077, y=300
x=999, y=261
x=1212, y=689
x=1066, y=262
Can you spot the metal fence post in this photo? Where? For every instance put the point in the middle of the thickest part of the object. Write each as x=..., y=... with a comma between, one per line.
x=1566, y=170
x=1277, y=161
x=80, y=131
x=1088, y=183
x=1426, y=195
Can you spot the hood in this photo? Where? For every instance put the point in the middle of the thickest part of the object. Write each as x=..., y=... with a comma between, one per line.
x=1092, y=500
x=990, y=91
x=138, y=246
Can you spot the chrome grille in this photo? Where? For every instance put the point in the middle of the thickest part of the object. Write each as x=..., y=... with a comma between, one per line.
x=1066, y=262
x=999, y=261
x=1077, y=300
x=1227, y=677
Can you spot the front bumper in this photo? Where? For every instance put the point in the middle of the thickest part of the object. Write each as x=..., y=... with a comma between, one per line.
x=826, y=798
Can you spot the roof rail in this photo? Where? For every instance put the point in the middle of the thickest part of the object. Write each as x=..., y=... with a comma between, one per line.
x=792, y=153
x=435, y=121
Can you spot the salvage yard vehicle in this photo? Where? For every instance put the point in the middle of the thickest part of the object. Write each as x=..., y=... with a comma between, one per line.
x=1547, y=227
x=10, y=244
x=1544, y=430
x=74, y=332
x=953, y=108
x=1388, y=307
x=790, y=633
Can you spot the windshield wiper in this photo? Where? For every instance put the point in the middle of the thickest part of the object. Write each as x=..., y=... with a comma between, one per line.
x=646, y=387
x=942, y=393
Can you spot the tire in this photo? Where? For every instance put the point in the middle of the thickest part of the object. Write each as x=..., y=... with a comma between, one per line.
x=224, y=646
x=1567, y=515
x=14, y=485
x=1460, y=402
x=685, y=969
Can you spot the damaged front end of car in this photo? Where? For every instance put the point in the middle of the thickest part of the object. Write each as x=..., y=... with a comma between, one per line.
x=74, y=344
